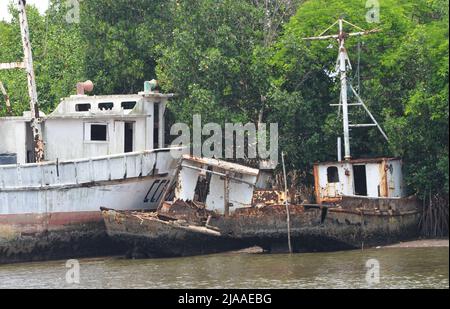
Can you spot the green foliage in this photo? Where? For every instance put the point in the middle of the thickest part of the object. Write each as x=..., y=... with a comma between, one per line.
x=419, y=128
x=240, y=61
x=211, y=57
x=123, y=41
x=404, y=80
x=58, y=54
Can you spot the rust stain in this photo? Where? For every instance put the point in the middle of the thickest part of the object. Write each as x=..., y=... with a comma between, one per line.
x=268, y=197
x=316, y=184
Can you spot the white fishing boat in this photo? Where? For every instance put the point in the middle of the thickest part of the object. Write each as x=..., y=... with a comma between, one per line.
x=57, y=170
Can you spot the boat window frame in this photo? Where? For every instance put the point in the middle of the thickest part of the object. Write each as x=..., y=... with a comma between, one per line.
x=103, y=109
x=77, y=105
x=335, y=174
x=87, y=127
x=126, y=105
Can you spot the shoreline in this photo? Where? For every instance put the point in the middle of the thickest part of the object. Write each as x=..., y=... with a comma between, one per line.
x=420, y=243
x=417, y=243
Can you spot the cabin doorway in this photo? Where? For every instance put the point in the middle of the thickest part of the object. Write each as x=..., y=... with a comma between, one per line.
x=156, y=126
x=29, y=143
x=360, y=179
x=129, y=137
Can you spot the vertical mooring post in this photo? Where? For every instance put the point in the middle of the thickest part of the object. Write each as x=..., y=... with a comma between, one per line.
x=226, y=195
x=288, y=216
x=32, y=92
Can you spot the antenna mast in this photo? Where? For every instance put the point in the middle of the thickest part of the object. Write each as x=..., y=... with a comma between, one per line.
x=27, y=64
x=32, y=92
x=343, y=65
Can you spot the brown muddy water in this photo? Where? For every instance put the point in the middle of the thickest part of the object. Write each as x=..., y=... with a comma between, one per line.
x=398, y=268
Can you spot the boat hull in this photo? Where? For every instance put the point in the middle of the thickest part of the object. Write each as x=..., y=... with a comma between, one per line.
x=62, y=219
x=147, y=236
x=319, y=229
x=312, y=228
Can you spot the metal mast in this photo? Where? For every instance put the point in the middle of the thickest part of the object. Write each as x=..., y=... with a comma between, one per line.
x=343, y=65
x=27, y=64
x=32, y=92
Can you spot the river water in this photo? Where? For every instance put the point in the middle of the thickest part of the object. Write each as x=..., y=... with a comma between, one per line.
x=397, y=268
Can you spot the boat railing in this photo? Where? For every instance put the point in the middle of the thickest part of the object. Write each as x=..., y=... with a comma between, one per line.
x=88, y=170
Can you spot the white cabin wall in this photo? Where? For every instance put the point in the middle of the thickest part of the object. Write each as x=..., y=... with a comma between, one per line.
x=117, y=137
x=373, y=179
x=64, y=130
x=13, y=138
x=64, y=139
x=345, y=185
x=140, y=135
x=396, y=185
x=149, y=123
x=239, y=194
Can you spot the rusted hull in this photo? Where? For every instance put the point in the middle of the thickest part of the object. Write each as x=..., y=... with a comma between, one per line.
x=315, y=229
x=147, y=236
x=33, y=237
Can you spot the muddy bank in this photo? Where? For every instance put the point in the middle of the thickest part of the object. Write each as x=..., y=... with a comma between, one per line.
x=421, y=243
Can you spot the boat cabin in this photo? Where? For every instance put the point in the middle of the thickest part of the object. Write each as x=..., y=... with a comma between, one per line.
x=85, y=126
x=216, y=185
x=376, y=177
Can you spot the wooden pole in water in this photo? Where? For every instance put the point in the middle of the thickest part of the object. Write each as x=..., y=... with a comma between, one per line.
x=288, y=216
x=226, y=195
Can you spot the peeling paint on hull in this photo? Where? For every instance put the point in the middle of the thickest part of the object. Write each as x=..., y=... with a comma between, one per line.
x=313, y=229
x=317, y=230
x=76, y=233
x=147, y=236
x=52, y=210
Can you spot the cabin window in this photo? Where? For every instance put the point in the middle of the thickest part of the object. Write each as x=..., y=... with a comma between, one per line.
x=332, y=174
x=128, y=105
x=96, y=132
x=105, y=106
x=99, y=132
x=84, y=107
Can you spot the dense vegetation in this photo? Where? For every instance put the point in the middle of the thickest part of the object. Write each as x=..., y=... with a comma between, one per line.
x=246, y=61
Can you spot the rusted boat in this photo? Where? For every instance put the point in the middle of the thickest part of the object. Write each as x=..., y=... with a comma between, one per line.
x=260, y=217
x=201, y=189
x=358, y=202
x=153, y=234
x=354, y=223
